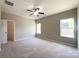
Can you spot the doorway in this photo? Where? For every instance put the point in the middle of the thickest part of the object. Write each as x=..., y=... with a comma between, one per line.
x=10, y=31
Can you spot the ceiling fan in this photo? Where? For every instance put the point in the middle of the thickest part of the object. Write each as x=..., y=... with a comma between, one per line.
x=36, y=11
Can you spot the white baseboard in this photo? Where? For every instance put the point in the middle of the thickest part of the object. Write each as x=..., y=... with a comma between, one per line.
x=25, y=38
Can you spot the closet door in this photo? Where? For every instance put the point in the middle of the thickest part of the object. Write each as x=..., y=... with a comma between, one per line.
x=10, y=30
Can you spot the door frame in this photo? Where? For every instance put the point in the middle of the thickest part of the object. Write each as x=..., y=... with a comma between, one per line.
x=6, y=27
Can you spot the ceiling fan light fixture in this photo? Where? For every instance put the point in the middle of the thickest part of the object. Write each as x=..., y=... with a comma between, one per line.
x=35, y=13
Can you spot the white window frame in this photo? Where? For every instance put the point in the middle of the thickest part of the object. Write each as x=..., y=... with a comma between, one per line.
x=38, y=28
x=67, y=32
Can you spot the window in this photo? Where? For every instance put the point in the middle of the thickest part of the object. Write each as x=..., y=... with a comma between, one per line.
x=67, y=28
x=39, y=28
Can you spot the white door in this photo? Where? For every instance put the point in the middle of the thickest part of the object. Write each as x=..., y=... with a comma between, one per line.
x=3, y=32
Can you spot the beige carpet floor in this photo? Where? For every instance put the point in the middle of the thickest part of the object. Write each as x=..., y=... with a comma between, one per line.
x=37, y=48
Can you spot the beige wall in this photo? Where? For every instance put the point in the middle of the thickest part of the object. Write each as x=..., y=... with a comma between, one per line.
x=51, y=26
x=24, y=27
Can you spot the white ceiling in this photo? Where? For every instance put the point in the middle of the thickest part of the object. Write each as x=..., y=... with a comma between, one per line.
x=48, y=6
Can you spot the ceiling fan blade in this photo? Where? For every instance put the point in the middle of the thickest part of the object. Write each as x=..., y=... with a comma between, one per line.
x=29, y=10
x=36, y=9
x=32, y=14
x=41, y=12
